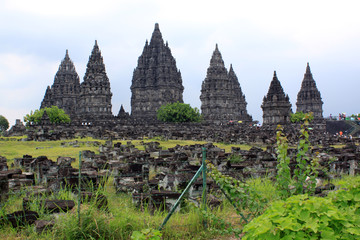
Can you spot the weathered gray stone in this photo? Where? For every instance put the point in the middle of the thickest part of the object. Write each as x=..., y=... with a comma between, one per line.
x=56, y=206
x=20, y=218
x=43, y=225
x=4, y=187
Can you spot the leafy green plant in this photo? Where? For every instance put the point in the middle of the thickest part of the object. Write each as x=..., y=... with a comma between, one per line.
x=301, y=117
x=56, y=115
x=283, y=177
x=347, y=198
x=303, y=217
x=146, y=234
x=235, y=158
x=178, y=112
x=306, y=169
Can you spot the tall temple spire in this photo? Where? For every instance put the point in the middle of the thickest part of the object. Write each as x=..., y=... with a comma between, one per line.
x=221, y=96
x=95, y=92
x=309, y=97
x=67, y=55
x=216, y=59
x=276, y=105
x=156, y=80
x=156, y=38
x=275, y=88
x=308, y=69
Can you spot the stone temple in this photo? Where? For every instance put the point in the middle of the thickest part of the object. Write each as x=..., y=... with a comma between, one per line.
x=221, y=95
x=309, y=98
x=95, y=92
x=156, y=80
x=276, y=105
x=65, y=90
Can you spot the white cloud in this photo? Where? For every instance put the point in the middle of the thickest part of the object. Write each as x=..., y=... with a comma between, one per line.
x=23, y=80
x=62, y=8
x=257, y=37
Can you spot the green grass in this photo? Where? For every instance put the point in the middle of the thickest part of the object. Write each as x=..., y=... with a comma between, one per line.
x=51, y=149
x=13, y=147
x=122, y=219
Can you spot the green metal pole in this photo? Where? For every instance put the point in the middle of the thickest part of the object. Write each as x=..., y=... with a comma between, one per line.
x=79, y=191
x=181, y=196
x=204, y=181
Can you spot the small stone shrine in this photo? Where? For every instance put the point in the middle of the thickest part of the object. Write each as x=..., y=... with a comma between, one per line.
x=276, y=105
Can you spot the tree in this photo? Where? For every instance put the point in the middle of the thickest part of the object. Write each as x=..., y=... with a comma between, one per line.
x=4, y=124
x=178, y=112
x=55, y=114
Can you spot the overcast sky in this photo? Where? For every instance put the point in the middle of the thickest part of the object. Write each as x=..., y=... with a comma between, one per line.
x=256, y=37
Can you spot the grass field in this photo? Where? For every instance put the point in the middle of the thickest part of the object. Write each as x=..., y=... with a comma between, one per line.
x=15, y=148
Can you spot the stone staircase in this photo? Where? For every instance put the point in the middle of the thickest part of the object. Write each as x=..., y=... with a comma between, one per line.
x=355, y=127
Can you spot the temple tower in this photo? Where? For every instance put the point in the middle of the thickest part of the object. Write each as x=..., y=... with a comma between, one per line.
x=276, y=105
x=309, y=98
x=95, y=92
x=156, y=80
x=65, y=90
x=221, y=96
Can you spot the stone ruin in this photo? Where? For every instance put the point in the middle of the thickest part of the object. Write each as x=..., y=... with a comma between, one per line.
x=16, y=130
x=154, y=176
